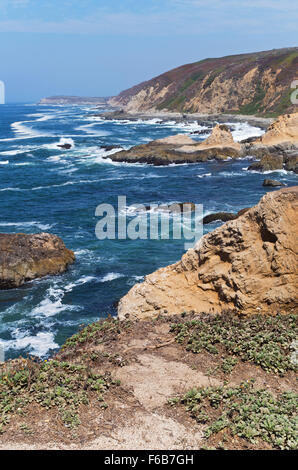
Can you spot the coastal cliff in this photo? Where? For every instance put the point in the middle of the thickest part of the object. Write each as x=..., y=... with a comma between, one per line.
x=257, y=83
x=249, y=265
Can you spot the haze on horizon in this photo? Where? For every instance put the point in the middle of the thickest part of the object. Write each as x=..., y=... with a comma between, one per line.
x=100, y=47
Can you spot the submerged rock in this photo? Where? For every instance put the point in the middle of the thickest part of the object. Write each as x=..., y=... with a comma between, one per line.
x=249, y=265
x=25, y=257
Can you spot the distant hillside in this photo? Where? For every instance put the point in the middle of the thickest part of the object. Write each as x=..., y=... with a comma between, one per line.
x=257, y=83
x=73, y=100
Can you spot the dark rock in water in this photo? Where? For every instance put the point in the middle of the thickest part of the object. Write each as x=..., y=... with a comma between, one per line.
x=268, y=163
x=272, y=183
x=110, y=147
x=223, y=216
x=64, y=146
x=26, y=257
x=177, y=207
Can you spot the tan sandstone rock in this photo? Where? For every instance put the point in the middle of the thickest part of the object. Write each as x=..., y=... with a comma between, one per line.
x=283, y=129
x=25, y=257
x=221, y=135
x=178, y=139
x=249, y=264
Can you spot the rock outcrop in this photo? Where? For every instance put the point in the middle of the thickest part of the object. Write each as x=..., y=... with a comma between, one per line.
x=291, y=161
x=272, y=183
x=283, y=129
x=277, y=149
x=223, y=216
x=249, y=264
x=182, y=149
x=268, y=163
x=25, y=257
x=221, y=135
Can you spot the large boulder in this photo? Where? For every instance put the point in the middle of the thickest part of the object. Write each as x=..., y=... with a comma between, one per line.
x=291, y=161
x=249, y=265
x=25, y=257
x=268, y=163
x=221, y=135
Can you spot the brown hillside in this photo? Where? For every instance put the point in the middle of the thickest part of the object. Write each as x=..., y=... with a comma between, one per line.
x=256, y=83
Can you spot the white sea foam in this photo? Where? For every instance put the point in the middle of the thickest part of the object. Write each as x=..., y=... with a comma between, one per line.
x=39, y=188
x=41, y=117
x=110, y=277
x=88, y=128
x=244, y=130
x=23, y=164
x=13, y=152
x=21, y=129
x=39, y=225
x=4, y=162
x=38, y=345
x=79, y=282
x=268, y=172
x=52, y=303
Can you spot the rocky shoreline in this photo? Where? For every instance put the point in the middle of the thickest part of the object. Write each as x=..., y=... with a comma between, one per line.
x=199, y=118
x=249, y=264
x=277, y=148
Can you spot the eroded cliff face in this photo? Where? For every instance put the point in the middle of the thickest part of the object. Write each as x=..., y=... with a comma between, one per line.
x=25, y=257
x=248, y=84
x=249, y=264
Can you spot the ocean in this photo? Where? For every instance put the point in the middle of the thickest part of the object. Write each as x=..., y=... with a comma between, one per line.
x=45, y=188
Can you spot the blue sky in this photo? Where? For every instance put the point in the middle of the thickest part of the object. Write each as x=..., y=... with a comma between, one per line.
x=100, y=47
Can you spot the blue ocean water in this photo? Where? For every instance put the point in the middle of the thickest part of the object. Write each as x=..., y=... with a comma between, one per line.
x=47, y=188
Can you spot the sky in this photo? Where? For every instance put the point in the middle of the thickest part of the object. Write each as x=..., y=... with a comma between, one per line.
x=101, y=47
